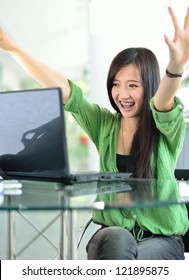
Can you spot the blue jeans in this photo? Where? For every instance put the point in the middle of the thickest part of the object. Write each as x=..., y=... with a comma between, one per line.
x=117, y=243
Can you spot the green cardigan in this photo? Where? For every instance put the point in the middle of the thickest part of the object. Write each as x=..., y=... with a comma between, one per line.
x=102, y=126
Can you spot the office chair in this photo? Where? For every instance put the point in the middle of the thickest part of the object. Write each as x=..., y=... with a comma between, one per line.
x=83, y=232
x=183, y=174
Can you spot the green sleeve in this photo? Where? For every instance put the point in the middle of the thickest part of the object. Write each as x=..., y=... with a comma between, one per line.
x=171, y=125
x=88, y=115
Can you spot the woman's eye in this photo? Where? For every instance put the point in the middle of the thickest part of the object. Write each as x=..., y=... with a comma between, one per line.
x=133, y=85
x=115, y=84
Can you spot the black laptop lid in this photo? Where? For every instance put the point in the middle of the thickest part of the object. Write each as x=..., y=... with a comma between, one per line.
x=32, y=144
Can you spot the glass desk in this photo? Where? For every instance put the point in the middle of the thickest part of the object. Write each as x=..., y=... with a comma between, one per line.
x=46, y=196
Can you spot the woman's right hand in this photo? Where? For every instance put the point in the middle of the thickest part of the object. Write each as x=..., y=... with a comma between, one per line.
x=40, y=72
x=6, y=44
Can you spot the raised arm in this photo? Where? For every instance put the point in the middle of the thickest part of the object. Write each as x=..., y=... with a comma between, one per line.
x=43, y=74
x=179, y=56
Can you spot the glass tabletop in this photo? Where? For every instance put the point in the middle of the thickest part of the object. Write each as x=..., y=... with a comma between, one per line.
x=130, y=193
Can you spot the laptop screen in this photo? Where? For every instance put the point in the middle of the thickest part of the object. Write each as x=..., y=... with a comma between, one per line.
x=32, y=143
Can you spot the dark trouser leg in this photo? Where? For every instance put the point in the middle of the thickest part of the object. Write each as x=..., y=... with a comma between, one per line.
x=112, y=243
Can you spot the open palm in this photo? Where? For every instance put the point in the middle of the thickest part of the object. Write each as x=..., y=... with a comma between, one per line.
x=179, y=47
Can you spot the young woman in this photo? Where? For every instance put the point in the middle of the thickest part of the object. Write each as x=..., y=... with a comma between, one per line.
x=144, y=137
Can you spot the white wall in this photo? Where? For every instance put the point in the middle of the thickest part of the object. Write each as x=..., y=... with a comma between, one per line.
x=52, y=31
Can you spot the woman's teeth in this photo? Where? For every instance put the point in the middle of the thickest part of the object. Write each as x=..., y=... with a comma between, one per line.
x=127, y=105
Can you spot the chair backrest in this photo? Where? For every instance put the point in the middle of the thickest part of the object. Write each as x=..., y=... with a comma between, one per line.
x=183, y=174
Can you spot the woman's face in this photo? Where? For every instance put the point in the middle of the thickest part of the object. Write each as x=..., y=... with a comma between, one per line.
x=128, y=92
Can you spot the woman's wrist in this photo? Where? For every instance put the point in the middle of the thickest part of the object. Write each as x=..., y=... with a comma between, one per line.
x=18, y=54
x=175, y=70
x=173, y=75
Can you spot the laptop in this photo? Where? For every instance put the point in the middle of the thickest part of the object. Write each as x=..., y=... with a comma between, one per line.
x=33, y=142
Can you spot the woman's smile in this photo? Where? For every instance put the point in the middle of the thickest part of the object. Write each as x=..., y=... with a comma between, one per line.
x=128, y=92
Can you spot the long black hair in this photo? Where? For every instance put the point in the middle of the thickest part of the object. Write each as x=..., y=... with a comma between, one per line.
x=147, y=135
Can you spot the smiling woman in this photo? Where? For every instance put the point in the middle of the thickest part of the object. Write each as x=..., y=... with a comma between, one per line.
x=128, y=92
x=147, y=130
x=133, y=79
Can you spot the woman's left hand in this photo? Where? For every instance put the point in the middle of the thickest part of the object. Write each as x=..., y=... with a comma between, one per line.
x=179, y=47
